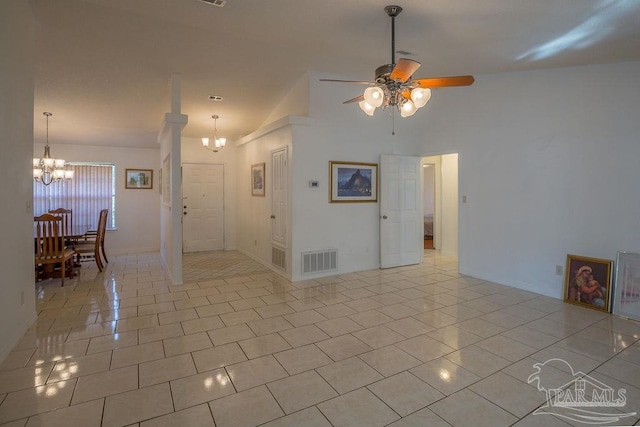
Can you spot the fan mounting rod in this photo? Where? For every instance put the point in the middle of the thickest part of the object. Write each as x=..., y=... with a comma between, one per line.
x=393, y=11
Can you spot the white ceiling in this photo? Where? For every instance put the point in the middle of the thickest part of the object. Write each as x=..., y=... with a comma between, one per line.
x=103, y=66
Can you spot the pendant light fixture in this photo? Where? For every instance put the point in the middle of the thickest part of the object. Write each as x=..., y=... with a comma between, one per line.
x=218, y=143
x=47, y=169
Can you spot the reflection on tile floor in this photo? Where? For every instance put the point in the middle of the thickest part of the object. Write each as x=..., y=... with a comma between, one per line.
x=238, y=345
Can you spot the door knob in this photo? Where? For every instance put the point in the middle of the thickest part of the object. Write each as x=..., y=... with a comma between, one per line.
x=184, y=207
x=273, y=217
x=384, y=217
x=184, y=213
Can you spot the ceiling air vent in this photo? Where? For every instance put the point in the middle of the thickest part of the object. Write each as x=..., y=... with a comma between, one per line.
x=219, y=3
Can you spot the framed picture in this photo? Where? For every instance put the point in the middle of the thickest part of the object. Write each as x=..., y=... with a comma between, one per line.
x=139, y=179
x=588, y=282
x=257, y=180
x=626, y=289
x=353, y=182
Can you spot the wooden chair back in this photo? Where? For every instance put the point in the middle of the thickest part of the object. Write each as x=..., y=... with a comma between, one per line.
x=50, y=247
x=102, y=227
x=91, y=246
x=104, y=217
x=49, y=236
x=67, y=219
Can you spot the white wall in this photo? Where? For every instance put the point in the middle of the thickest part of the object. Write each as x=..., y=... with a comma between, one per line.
x=17, y=49
x=335, y=132
x=253, y=213
x=294, y=103
x=548, y=161
x=137, y=216
x=193, y=152
x=343, y=133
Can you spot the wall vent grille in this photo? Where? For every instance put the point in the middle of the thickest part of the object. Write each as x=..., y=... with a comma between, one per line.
x=278, y=257
x=319, y=261
x=219, y=3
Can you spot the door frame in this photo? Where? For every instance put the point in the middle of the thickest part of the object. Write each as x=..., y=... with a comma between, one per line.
x=442, y=239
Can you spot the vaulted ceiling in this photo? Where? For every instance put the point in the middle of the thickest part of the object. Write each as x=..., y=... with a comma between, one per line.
x=103, y=66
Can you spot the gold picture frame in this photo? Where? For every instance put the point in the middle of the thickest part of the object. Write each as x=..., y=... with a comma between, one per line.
x=353, y=182
x=138, y=179
x=588, y=282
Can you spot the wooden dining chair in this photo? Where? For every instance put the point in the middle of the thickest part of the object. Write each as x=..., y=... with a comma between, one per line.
x=93, y=234
x=67, y=222
x=50, y=247
x=89, y=248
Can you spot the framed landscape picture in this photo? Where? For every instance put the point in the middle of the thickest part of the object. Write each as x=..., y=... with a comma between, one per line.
x=353, y=182
x=257, y=180
x=588, y=282
x=138, y=179
x=626, y=289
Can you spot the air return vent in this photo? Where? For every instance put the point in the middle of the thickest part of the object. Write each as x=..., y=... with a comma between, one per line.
x=278, y=257
x=219, y=3
x=320, y=261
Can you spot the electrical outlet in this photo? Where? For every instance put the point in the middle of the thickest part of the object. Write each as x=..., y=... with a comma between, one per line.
x=558, y=270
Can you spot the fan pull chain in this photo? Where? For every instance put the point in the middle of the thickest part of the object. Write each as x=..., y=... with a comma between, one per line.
x=393, y=122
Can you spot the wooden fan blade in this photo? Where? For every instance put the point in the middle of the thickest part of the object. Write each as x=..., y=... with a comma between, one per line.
x=356, y=99
x=446, y=81
x=404, y=69
x=346, y=81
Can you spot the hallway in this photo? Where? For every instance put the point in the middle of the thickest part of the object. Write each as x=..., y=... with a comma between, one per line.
x=240, y=346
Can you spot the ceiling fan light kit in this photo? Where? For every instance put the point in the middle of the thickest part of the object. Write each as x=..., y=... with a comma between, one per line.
x=393, y=85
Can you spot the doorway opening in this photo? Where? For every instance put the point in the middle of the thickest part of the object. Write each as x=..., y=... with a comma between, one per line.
x=428, y=202
x=440, y=205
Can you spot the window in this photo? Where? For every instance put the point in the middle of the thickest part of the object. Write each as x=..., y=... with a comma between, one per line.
x=91, y=190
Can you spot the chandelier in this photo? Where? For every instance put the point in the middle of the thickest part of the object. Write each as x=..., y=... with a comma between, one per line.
x=47, y=169
x=218, y=143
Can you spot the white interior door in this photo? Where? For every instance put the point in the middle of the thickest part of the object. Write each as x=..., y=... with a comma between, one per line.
x=401, y=221
x=279, y=191
x=203, y=207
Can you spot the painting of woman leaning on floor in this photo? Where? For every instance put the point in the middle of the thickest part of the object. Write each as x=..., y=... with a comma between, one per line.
x=588, y=281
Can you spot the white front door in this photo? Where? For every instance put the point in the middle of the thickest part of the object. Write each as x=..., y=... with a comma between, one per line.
x=401, y=221
x=203, y=207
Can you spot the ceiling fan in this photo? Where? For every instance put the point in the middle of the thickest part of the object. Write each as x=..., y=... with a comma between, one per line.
x=393, y=85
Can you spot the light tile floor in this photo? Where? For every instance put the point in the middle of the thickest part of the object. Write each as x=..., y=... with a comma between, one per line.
x=240, y=346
